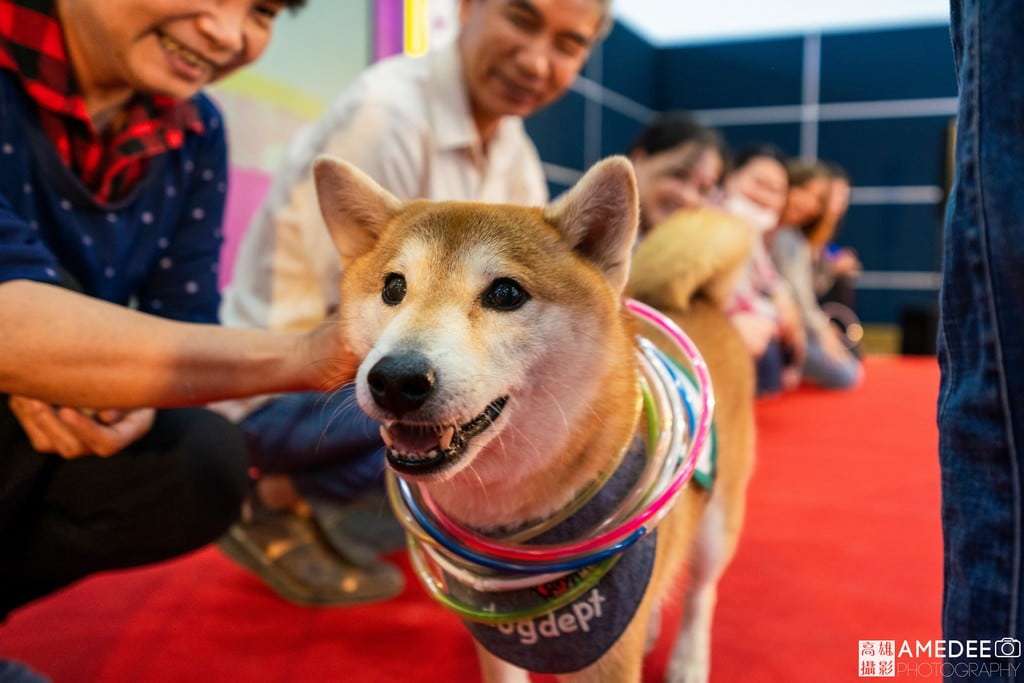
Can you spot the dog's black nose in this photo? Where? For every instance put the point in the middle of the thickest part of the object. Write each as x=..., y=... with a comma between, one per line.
x=401, y=383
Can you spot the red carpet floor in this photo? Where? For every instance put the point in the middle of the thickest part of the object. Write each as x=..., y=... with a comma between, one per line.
x=842, y=544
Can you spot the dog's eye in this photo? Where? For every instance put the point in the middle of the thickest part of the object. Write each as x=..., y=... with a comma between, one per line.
x=505, y=294
x=394, y=289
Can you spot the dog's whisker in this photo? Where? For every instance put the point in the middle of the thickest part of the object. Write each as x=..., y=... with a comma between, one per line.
x=338, y=409
x=558, y=406
x=483, y=487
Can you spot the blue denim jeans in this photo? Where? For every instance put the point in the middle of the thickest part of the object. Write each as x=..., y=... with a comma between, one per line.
x=822, y=370
x=980, y=345
x=324, y=442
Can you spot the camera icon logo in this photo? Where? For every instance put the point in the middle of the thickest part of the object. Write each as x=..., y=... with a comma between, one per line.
x=1007, y=647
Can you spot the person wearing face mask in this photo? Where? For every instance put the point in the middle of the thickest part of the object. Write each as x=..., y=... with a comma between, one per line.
x=828, y=362
x=762, y=306
x=678, y=163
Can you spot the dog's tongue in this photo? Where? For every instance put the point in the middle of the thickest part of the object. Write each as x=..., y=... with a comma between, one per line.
x=414, y=439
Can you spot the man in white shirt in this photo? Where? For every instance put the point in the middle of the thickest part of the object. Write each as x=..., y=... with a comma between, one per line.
x=445, y=126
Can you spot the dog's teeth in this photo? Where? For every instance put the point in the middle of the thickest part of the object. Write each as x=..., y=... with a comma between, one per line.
x=386, y=435
x=444, y=437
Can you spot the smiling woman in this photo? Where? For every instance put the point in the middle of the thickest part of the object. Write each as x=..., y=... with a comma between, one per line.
x=110, y=207
x=171, y=48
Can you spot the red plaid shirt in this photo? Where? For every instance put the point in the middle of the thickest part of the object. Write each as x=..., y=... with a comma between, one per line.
x=32, y=46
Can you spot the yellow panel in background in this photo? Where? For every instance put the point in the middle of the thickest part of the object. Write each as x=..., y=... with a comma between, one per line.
x=416, y=28
x=261, y=88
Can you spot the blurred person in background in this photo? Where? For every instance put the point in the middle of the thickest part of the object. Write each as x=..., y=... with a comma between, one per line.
x=679, y=163
x=828, y=362
x=763, y=307
x=836, y=268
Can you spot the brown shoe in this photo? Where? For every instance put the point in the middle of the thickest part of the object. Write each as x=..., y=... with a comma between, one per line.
x=359, y=530
x=288, y=551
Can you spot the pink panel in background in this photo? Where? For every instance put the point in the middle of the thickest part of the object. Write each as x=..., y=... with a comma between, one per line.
x=388, y=17
x=246, y=190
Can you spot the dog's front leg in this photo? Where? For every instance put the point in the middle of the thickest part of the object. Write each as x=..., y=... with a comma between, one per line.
x=623, y=663
x=690, y=661
x=494, y=670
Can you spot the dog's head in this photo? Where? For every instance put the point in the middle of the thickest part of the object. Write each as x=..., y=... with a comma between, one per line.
x=480, y=328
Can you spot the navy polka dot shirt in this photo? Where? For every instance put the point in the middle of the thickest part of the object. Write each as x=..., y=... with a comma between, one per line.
x=156, y=249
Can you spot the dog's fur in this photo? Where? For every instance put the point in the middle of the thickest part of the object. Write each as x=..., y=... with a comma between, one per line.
x=451, y=306
x=686, y=268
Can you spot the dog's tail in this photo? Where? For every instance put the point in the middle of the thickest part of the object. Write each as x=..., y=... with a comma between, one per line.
x=695, y=251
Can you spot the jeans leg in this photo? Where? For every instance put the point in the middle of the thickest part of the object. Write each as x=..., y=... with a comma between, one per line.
x=824, y=371
x=981, y=349
x=324, y=442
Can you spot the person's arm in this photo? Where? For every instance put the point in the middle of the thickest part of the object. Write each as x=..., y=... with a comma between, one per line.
x=792, y=258
x=70, y=349
x=791, y=326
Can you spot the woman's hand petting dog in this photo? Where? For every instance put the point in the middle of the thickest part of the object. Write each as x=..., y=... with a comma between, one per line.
x=328, y=356
x=73, y=432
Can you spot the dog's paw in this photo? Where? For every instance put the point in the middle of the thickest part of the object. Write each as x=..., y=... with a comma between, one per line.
x=690, y=661
x=689, y=670
x=653, y=630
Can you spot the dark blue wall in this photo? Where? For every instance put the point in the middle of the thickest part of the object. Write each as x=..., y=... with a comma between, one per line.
x=757, y=73
x=877, y=102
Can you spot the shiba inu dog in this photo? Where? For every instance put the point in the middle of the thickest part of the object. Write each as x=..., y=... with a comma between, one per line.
x=498, y=355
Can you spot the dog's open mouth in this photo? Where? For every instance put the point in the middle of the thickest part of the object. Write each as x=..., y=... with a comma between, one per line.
x=418, y=449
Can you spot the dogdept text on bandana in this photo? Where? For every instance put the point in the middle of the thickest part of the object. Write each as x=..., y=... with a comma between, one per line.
x=576, y=635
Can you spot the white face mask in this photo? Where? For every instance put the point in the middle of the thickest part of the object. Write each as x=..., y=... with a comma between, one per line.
x=761, y=219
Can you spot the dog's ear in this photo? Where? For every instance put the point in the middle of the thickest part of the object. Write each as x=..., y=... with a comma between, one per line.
x=353, y=205
x=599, y=216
